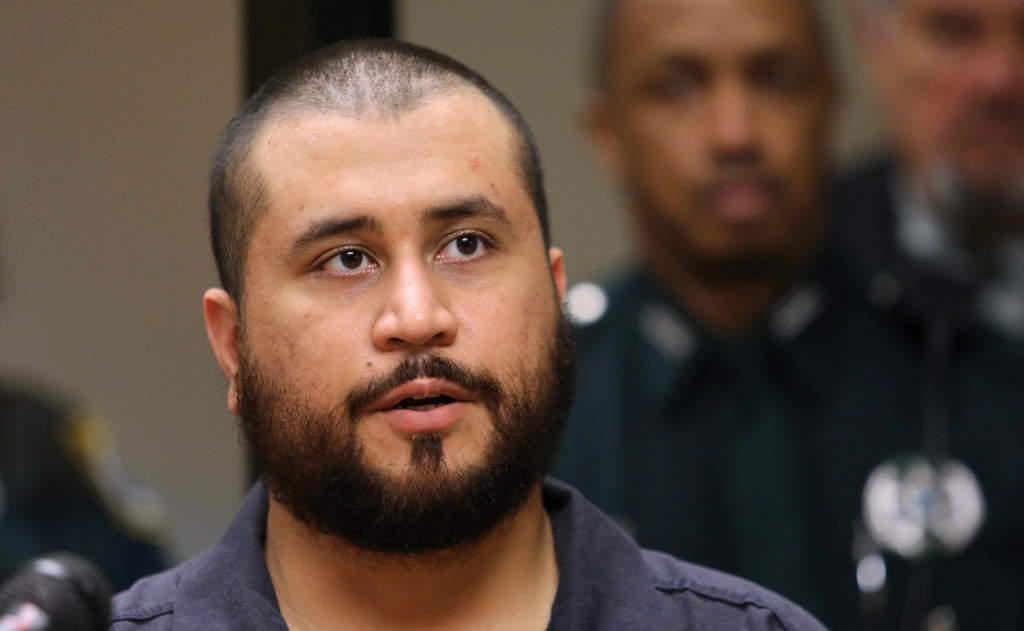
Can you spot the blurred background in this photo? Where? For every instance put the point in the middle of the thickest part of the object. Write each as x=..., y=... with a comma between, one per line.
x=109, y=112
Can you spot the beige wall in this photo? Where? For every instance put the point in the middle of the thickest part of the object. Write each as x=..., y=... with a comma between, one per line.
x=109, y=110
x=536, y=51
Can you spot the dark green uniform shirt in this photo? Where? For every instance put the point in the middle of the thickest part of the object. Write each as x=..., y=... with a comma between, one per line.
x=750, y=455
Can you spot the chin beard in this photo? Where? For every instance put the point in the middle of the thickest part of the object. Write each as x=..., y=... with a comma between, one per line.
x=315, y=465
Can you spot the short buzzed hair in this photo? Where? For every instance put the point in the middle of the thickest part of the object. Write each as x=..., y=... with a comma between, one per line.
x=384, y=78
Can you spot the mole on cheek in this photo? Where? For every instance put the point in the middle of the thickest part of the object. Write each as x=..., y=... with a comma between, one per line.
x=369, y=364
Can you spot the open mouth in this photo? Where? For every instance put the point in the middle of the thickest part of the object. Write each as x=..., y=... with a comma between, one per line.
x=423, y=404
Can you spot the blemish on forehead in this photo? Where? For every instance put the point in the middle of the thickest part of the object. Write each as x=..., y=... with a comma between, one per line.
x=474, y=163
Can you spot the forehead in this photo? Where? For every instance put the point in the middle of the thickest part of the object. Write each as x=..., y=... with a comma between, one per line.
x=647, y=28
x=454, y=144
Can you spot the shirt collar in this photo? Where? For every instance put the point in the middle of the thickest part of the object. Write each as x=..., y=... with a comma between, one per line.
x=673, y=345
x=999, y=281
x=604, y=581
x=230, y=586
x=923, y=238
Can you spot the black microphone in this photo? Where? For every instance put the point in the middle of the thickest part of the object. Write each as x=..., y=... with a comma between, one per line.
x=56, y=592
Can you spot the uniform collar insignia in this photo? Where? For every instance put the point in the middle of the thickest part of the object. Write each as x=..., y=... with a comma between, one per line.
x=796, y=312
x=666, y=331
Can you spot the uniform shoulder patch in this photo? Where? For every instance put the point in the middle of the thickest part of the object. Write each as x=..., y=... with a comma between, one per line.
x=134, y=508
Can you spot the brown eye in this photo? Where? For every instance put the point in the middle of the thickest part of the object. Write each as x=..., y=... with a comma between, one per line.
x=464, y=247
x=467, y=244
x=351, y=259
x=347, y=261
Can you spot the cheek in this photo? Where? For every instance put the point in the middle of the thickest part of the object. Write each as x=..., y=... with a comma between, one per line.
x=672, y=136
x=924, y=101
x=320, y=350
x=792, y=128
x=498, y=328
x=666, y=157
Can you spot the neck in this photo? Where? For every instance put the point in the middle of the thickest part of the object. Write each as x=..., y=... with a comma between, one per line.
x=506, y=581
x=730, y=303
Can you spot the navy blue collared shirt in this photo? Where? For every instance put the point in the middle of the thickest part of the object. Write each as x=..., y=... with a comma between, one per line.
x=607, y=582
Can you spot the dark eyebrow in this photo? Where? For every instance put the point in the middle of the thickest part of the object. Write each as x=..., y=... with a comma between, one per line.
x=476, y=206
x=683, y=61
x=332, y=227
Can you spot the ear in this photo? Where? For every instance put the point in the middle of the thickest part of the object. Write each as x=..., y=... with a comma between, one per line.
x=599, y=127
x=557, y=260
x=221, y=315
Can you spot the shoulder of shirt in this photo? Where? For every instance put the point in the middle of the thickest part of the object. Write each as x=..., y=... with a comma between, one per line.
x=38, y=410
x=674, y=578
x=149, y=603
x=71, y=444
x=618, y=295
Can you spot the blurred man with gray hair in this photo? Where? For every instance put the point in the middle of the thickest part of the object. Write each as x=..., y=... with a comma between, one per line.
x=935, y=233
x=950, y=76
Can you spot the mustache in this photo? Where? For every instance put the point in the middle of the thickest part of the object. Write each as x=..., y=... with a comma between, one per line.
x=478, y=381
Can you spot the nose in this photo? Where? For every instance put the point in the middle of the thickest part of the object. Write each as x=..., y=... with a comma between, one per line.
x=414, y=316
x=732, y=127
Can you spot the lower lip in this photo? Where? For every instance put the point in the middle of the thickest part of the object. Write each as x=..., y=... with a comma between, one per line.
x=428, y=421
x=742, y=202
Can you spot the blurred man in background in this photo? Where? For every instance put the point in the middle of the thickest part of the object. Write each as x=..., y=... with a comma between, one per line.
x=739, y=389
x=63, y=487
x=935, y=233
x=950, y=76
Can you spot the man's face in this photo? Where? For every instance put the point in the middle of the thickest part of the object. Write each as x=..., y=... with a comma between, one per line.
x=401, y=318
x=951, y=75
x=713, y=115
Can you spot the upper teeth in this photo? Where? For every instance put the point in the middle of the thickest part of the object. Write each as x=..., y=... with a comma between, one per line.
x=421, y=404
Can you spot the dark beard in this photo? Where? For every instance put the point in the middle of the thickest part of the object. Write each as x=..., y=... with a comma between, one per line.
x=314, y=465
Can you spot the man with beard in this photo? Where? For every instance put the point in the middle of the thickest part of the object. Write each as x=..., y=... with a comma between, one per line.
x=391, y=328
x=738, y=391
